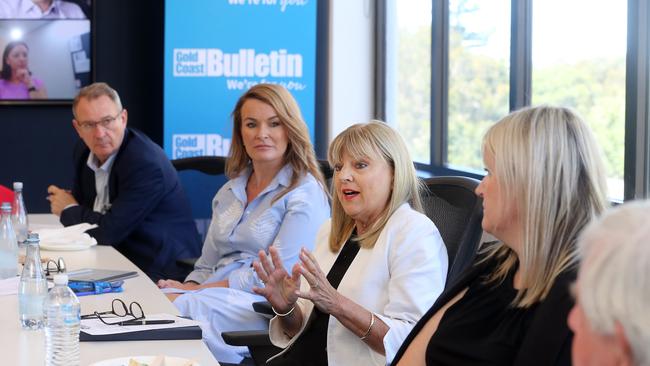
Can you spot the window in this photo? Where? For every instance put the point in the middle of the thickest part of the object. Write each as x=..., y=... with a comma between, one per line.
x=488, y=57
x=412, y=65
x=479, y=53
x=579, y=62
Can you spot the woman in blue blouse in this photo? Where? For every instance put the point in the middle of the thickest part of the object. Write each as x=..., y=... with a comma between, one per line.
x=276, y=196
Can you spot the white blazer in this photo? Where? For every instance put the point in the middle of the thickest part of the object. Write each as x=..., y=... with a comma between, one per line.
x=399, y=279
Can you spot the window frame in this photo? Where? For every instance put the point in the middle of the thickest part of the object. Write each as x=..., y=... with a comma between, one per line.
x=637, y=85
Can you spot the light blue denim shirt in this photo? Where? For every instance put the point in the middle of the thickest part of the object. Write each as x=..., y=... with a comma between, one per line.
x=237, y=231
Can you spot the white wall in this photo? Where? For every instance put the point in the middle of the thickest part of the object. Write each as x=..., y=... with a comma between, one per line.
x=49, y=56
x=351, y=63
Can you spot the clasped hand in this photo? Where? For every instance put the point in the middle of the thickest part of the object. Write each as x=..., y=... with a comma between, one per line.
x=283, y=290
x=24, y=77
x=177, y=284
x=59, y=199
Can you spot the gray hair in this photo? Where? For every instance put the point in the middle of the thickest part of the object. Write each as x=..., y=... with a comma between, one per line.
x=614, y=277
x=94, y=91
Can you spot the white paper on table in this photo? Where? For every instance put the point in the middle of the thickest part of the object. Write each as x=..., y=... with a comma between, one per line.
x=37, y=228
x=96, y=327
x=9, y=286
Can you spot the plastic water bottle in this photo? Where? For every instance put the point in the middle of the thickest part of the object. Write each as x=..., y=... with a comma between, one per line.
x=62, y=323
x=8, y=245
x=33, y=287
x=20, y=213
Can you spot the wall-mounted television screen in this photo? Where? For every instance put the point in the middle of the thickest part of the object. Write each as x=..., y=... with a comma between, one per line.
x=46, y=50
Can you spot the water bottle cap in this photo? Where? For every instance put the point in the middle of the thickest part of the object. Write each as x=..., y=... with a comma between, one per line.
x=32, y=238
x=5, y=207
x=18, y=186
x=60, y=279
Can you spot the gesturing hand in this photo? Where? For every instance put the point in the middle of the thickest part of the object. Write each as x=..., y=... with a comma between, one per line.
x=321, y=293
x=279, y=289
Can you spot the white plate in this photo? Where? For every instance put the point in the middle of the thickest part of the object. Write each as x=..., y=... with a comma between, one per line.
x=124, y=361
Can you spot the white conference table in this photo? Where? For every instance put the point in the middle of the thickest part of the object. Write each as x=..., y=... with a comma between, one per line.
x=24, y=347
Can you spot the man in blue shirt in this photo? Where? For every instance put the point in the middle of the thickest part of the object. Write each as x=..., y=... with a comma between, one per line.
x=125, y=184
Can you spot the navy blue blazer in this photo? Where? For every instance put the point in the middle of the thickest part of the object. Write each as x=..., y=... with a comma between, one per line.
x=150, y=220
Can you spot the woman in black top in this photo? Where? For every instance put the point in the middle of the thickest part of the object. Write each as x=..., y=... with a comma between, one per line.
x=545, y=181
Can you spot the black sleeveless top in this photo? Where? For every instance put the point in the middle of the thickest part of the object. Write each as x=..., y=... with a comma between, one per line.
x=310, y=349
x=482, y=328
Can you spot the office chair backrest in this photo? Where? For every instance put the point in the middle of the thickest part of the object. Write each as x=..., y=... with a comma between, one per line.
x=212, y=165
x=452, y=205
x=201, y=177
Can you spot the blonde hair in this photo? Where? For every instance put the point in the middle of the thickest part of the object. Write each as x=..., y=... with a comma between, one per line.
x=300, y=151
x=614, y=278
x=547, y=164
x=375, y=140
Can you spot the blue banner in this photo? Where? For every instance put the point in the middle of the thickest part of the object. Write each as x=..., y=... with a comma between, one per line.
x=216, y=49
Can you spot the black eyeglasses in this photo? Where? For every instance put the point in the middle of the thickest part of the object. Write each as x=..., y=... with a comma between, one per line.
x=104, y=122
x=52, y=267
x=118, y=310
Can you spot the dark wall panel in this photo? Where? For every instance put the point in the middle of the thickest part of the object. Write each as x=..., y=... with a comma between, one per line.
x=36, y=141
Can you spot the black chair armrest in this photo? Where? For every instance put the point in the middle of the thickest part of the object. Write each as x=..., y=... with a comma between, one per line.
x=258, y=343
x=263, y=307
x=247, y=338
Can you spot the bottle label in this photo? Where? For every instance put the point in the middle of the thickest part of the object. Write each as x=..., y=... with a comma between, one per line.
x=71, y=315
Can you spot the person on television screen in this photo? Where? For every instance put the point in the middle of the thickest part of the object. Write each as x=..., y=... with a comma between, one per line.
x=125, y=184
x=40, y=9
x=16, y=81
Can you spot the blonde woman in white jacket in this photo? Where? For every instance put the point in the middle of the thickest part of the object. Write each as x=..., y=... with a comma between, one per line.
x=379, y=264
